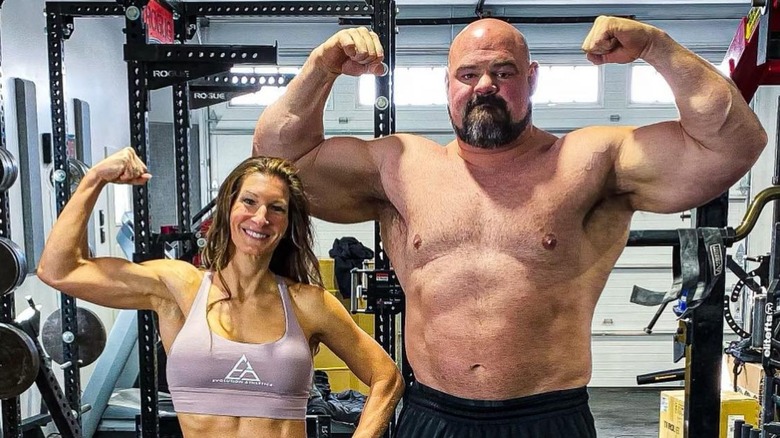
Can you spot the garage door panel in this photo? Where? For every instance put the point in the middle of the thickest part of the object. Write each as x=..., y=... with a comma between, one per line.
x=615, y=313
x=617, y=360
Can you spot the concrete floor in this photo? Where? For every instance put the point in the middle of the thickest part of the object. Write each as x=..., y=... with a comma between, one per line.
x=626, y=412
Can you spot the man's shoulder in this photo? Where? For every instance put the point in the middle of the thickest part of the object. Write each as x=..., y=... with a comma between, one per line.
x=593, y=139
x=415, y=140
x=405, y=146
x=597, y=135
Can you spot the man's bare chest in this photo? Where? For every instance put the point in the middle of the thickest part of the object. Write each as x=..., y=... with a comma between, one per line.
x=539, y=222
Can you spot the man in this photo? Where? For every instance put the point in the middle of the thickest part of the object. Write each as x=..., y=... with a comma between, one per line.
x=503, y=240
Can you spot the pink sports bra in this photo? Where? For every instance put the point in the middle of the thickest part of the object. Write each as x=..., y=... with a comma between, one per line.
x=208, y=374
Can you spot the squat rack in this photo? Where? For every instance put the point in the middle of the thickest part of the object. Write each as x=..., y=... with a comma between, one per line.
x=152, y=66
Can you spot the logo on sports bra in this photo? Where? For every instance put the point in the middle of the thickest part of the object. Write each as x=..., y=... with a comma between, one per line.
x=243, y=373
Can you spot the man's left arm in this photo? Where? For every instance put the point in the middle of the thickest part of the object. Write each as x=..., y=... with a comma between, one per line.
x=677, y=165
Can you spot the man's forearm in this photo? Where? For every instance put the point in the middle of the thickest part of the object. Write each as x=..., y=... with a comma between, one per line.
x=292, y=126
x=712, y=110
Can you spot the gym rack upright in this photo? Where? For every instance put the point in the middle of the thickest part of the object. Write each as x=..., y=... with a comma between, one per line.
x=142, y=59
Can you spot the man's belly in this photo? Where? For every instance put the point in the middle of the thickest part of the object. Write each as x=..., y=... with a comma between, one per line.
x=471, y=361
x=498, y=338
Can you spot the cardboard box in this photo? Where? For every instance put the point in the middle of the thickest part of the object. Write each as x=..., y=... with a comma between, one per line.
x=750, y=379
x=339, y=376
x=733, y=406
x=327, y=271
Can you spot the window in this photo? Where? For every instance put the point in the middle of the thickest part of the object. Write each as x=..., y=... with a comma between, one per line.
x=426, y=86
x=268, y=93
x=413, y=86
x=123, y=202
x=567, y=84
x=649, y=87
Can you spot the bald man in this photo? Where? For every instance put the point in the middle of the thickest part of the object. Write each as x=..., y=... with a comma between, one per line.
x=504, y=238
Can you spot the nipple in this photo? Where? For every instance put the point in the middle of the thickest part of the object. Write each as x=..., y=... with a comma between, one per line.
x=549, y=241
x=417, y=241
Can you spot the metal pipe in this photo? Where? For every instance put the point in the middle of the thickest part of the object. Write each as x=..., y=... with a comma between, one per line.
x=754, y=210
x=730, y=236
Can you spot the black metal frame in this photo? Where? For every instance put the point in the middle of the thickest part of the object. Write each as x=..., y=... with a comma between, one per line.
x=58, y=29
x=139, y=89
x=59, y=24
x=176, y=61
x=11, y=408
x=223, y=87
x=769, y=392
x=386, y=307
x=704, y=342
x=142, y=59
x=703, y=329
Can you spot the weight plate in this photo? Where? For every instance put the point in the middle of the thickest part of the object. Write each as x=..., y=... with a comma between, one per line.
x=19, y=361
x=11, y=258
x=91, y=336
x=9, y=169
x=76, y=171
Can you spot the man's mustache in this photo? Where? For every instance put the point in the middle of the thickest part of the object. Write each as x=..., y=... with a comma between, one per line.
x=489, y=100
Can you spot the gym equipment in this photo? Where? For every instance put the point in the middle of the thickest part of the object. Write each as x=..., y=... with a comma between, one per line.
x=76, y=170
x=754, y=281
x=19, y=357
x=91, y=337
x=9, y=169
x=697, y=264
x=14, y=265
x=60, y=411
x=153, y=66
x=661, y=376
x=19, y=361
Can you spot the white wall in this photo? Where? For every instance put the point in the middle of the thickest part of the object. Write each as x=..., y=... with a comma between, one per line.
x=94, y=72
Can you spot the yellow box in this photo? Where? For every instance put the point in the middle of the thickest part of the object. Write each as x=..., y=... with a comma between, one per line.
x=340, y=380
x=339, y=376
x=325, y=359
x=328, y=273
x=733, y=406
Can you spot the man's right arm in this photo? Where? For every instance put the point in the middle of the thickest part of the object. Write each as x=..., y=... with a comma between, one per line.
x=341, y=173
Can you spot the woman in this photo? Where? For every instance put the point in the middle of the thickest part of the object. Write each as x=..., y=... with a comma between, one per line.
x=240, y=335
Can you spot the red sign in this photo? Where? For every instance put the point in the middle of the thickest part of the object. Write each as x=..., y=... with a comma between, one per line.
x=159, y=23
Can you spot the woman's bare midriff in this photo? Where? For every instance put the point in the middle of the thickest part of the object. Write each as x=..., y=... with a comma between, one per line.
x=196, y=426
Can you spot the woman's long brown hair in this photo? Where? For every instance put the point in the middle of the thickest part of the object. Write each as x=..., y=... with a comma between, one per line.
x=294, y=257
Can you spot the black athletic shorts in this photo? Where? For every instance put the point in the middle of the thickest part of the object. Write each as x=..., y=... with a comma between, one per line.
x=428, y=413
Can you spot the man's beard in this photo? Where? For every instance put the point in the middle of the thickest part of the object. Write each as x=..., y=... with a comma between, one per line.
x=487, y=123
